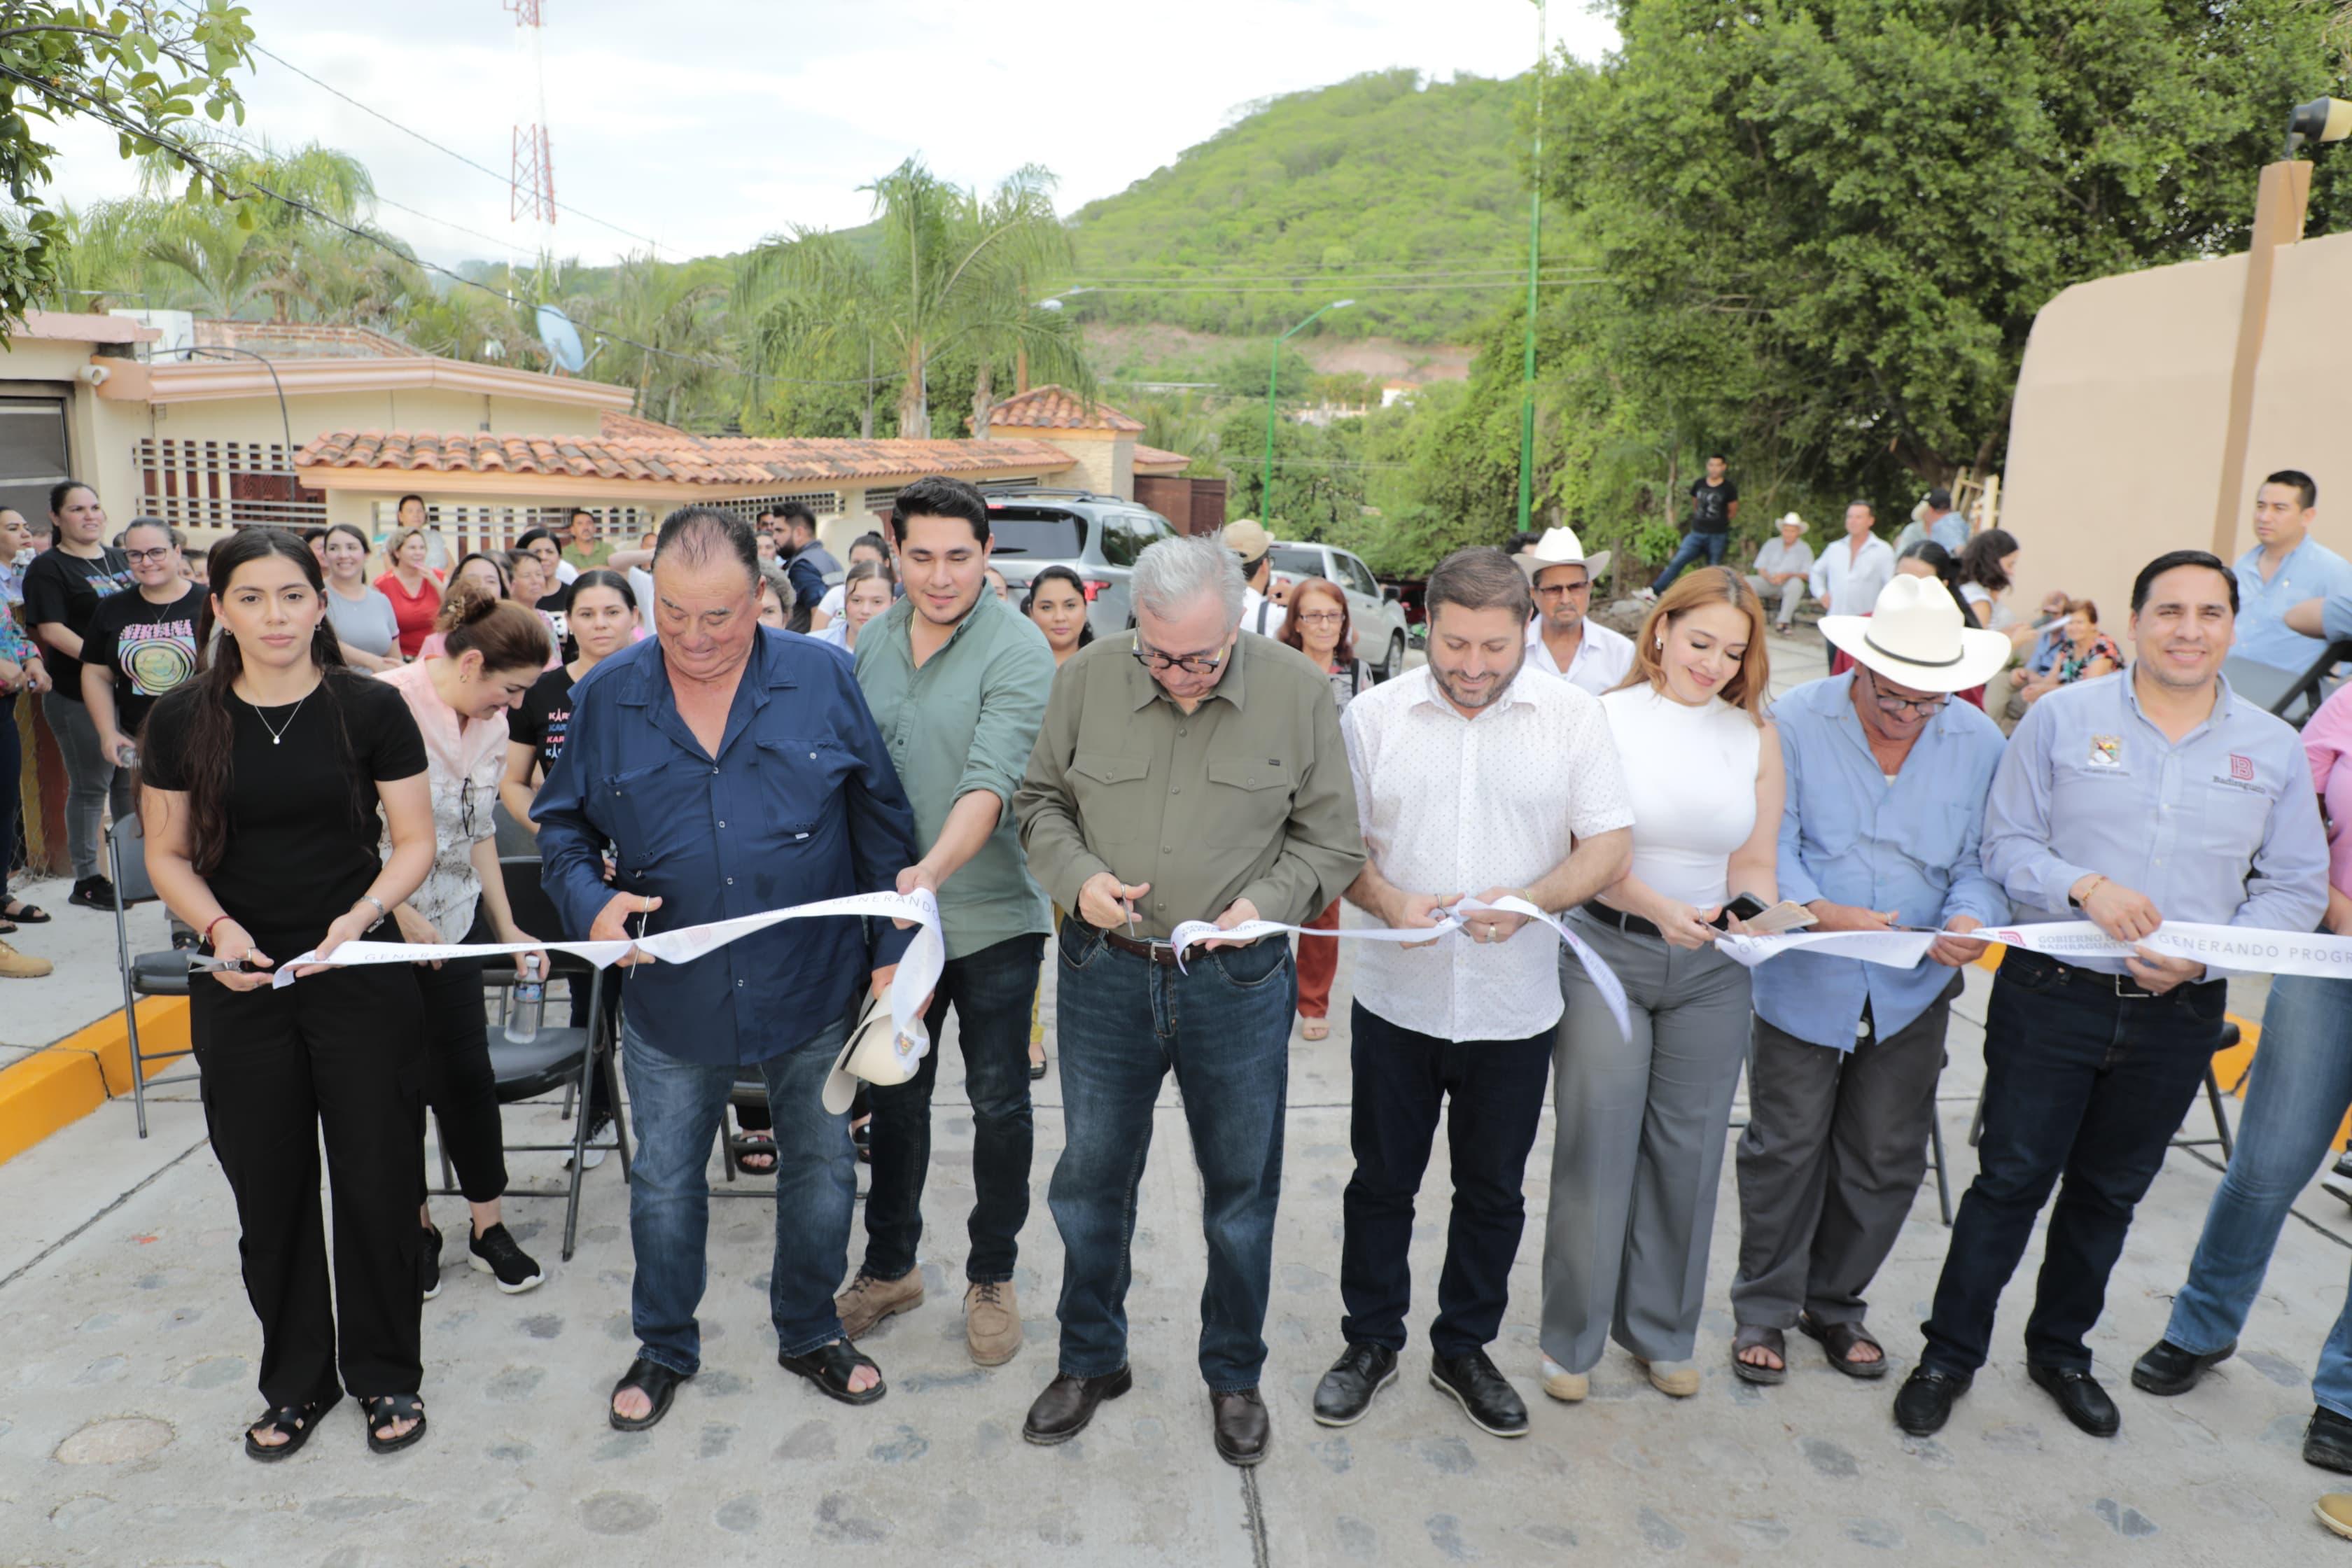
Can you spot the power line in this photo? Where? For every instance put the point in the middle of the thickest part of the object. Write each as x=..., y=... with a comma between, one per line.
x=1367, y=288
x=506, y=180
x=261, y=149
x=1340, y=276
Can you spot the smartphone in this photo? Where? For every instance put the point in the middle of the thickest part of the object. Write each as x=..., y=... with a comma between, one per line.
x=1746, y=907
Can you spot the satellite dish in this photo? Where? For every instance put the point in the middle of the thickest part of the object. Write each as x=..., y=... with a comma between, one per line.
x=562, y=339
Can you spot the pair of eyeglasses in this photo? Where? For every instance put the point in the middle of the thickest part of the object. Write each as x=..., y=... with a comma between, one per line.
x=466, y=808
x=1320, y=619
x=1189, y=663
x=1898, y=706
x=139, y=557
x=1560, y=590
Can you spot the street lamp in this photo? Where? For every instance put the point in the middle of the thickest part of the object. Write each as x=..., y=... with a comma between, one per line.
x=1273, y=377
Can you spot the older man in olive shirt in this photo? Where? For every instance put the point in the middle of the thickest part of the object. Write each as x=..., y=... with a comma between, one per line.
x=1189, y=771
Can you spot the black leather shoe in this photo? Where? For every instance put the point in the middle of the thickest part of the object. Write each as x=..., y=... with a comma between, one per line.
x=1242, y=1427
x=2078, y=1393
x=1923, y=1403
x=1347, y=1390
x=2167, y=1369
x=1485, y=1395
x=1062, y=1412
x=2327, y=1441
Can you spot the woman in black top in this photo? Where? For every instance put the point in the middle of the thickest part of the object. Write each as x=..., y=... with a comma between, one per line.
x=263, y=778
x=141, y=644
x=62, y=589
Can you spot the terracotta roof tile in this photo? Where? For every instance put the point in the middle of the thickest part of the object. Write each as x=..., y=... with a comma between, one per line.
x=1051, y=407
x=1159, y=457
x=674, y=458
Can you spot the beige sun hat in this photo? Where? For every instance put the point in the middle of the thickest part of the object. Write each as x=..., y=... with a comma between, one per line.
x=875, y=1053
x=1560, y=547
x=1791, y=519
x=1916, y=637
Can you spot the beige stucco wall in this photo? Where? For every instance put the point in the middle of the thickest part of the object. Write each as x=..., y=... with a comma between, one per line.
x=1103, y=460
x=436, y=409
x=2115, y=449
x=98, y=434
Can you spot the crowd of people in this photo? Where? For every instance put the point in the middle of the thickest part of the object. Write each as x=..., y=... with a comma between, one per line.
x=320, y=757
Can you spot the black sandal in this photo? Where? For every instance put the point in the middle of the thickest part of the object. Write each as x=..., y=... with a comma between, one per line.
x=385, y=1410
x=1755, y=1336
x=295, y=1420
x=24, y=913
x=655, y=1381
x=749, y=1146
x=829, y=1365
x=1839, y=1340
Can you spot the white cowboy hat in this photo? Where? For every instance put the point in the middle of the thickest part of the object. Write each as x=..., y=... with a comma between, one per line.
x=1791, y=519
x=874, y=1052
x=1916, y=637
x=1560, y=547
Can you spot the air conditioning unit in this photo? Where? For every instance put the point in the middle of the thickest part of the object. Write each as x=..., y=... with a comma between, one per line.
x=178, y=329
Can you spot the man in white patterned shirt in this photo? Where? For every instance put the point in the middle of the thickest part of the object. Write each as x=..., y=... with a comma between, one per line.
x=1470, y=782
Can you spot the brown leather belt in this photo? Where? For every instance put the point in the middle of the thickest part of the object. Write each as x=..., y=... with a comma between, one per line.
x=1158, y=953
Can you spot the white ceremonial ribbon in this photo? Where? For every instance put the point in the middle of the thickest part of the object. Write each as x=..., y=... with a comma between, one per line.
x=1450, y=923
x=917, y=976
x=2246, y=949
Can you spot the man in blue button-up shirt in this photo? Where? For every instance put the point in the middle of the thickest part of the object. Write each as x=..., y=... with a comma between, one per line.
x=2147, y=795
x=2286, y=569
x=731, y=769
x=1886, y=779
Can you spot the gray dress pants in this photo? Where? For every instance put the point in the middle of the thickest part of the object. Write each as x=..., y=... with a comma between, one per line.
x=1836, y=1150
x=1637, y=1151
x=93, y=784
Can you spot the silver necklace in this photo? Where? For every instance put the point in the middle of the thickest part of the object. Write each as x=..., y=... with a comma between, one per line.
x=278, y=733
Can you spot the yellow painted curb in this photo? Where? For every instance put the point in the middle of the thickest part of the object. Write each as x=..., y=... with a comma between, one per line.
x=62, y=1083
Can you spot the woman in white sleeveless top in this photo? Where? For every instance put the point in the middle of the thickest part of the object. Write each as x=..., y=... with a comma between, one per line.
x=1641, y=1122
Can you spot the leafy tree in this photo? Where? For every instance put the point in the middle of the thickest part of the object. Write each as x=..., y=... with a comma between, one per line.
x=1831, y=222
x=144, y=67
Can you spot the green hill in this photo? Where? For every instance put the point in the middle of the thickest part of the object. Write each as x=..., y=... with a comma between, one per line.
x=1360, y=189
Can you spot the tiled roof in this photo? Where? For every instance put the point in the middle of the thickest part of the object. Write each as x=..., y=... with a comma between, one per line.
x=674, y=459
x=1051, y=407
x=617, y=426
x=1159, y=457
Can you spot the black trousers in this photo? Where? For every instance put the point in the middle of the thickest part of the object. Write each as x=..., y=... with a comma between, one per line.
x=340, y=1054
x=1402, y=1080
x=459, y=1083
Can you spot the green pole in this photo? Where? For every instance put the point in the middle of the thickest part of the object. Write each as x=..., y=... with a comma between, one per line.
x=1273, y=376
x=1535, y=248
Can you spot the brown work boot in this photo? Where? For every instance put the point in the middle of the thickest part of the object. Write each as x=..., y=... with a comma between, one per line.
x=15, y=965
x=992, y=1323
x=868, y=1301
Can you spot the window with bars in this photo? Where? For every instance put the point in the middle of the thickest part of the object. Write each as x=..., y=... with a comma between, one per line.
x=495, y=527
x=824, y=503
x=224, y=484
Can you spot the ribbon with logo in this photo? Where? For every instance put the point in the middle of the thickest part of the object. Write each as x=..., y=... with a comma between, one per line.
x=2244, y=948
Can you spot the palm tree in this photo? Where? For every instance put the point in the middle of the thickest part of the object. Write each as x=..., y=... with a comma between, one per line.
x=951, y=267
x=675, y=315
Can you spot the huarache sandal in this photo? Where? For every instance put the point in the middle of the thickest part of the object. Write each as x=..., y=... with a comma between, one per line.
x=385, y=1411
x=1839, y=1340
x=17, y=909
x=748, y=1147
x=295, y=1421
x=656, y=1383
x=829, y=1365
x=1756, y=1336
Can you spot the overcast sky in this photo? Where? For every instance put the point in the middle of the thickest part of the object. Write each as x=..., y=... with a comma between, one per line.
x=705, y=124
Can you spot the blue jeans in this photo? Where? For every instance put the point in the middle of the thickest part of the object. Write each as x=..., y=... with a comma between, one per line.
x=2078, y=1082
x=1693, y=545
x=674, y=1107
x=2301, y=1084
x=1224, y=1028
x=991, y=991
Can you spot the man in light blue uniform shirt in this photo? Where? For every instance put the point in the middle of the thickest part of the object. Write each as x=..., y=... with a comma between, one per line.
x=2147, y=795
x=1944, y=526
x=1886, y=779
x=2288, y=568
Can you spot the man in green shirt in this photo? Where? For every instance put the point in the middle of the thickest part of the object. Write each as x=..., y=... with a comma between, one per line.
x=582, y=551
x=957, y=680
x=1189, y=771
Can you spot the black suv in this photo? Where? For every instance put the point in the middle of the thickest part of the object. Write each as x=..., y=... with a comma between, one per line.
x=1097, y=536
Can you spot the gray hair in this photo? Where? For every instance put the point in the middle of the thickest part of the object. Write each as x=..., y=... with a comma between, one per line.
x=774, y=579
x=1173, y=574
x=702, y=536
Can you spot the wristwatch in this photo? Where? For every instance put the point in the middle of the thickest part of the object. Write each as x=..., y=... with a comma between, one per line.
x=370, y=898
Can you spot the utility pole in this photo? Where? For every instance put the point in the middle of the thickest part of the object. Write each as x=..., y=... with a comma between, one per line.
x=533, y=177
x=1535, y=250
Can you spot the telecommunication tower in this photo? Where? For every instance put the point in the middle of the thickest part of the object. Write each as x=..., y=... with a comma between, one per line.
x=533, y=179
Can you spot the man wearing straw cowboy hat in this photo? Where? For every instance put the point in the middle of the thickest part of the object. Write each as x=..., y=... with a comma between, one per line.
x=2151, y=795
x=1878, y=832
x=1562, y=639
x=1782, y=566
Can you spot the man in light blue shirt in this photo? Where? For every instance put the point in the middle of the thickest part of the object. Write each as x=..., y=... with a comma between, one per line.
x=1887, y=778
x=2286, y=569
x=1944, y=526
x=2135, y=798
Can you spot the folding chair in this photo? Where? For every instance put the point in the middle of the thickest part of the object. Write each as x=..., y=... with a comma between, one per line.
x=559, y=1057
x=2294, y=697
x=147, y=973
